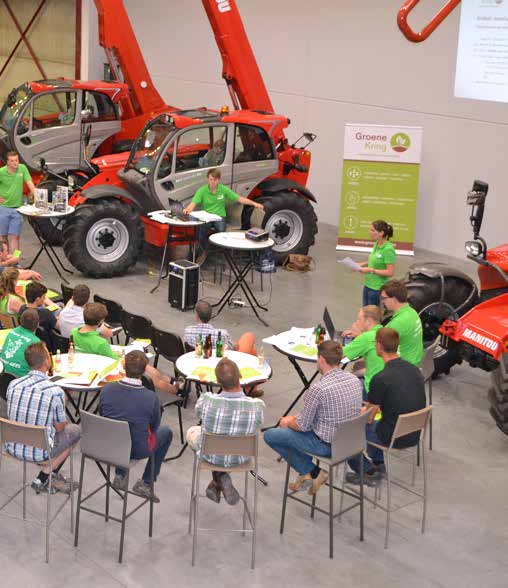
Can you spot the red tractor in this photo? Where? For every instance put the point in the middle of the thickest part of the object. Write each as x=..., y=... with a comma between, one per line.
x=169, y=158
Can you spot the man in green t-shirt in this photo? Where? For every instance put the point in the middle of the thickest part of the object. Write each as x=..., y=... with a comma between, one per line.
x=12, y=177
x=13, y=350
x=405, y=321
x=87, y=339
x=212, y=198
x=364, y=344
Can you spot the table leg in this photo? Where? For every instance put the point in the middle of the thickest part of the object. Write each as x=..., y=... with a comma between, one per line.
x=48, y=249
x=163, y=266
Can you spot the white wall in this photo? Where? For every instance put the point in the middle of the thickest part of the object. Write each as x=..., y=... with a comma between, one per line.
x=331, y=62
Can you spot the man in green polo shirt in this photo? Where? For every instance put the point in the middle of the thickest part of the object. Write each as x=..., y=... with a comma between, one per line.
x=364, y=343
x=13, y=349
x=87, y=339
x=212, y=198
x=12, y=177
x=405, y=321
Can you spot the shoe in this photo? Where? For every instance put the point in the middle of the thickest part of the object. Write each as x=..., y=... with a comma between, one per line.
x=201, y=258
x=256, y=393
x=303, y=482
x=180, y=383
x=61, y=484
x=231, y=495
x=213, y=491
x=143, y=490
x=371, y=479
x=317, y=483
x=42, y=487
x=120, y=483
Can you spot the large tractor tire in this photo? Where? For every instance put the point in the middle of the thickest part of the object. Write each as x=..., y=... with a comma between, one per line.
x=291, y=222
x=46, y=225
x=498, y=394
x=104, y=238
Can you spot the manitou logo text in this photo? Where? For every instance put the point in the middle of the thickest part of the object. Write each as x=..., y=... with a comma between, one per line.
x=480, y=339
x=223, y=5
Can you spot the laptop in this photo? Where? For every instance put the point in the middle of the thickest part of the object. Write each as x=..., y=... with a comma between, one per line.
x=330, y=329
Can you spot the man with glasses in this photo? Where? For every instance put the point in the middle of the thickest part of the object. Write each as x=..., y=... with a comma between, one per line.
x=405, y=321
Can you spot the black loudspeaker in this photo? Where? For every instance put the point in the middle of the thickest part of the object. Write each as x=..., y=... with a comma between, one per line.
x=183, y=284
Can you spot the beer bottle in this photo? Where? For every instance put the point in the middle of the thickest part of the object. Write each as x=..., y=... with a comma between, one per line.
x=70, y=355
x=317, y=332
x=207, y=349
x=219, y=345
x=321, y=337
x=199, y=347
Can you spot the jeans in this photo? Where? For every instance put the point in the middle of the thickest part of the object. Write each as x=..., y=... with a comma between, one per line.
x=371, y=296
x=163, y=438
x=375, y=454
x=284, y=440
x=218, y=227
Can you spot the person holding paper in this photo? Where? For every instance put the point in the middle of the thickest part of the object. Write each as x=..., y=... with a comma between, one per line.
x=212, y=198
x=381, y=263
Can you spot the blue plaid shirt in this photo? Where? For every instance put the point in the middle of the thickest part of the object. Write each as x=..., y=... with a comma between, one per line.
x=35, y=400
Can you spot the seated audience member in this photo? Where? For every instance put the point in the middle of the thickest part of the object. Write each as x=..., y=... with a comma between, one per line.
x=128, y=400
x=87, y=338
x=227, y=413
x=364, y=344
x=35, y=400
x=398, y=389
x=10, y=301
x=215, y=156
x=8, y=260
x=35, y=293
x=336, y=398
x=405, y=321
x=72, y=315
x=16, y=342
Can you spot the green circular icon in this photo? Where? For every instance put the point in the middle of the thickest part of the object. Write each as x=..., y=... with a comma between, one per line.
x=400, y=142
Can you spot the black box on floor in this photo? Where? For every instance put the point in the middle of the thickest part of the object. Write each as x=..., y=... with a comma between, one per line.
x=183, y=284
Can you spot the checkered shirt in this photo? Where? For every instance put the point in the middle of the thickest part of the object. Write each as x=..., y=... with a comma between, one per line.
x=336, y=398
x=35, y=400
x=192, y=333
x=229, y=414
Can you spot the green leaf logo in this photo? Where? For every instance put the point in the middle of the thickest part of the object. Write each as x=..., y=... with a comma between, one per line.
x=400, y=142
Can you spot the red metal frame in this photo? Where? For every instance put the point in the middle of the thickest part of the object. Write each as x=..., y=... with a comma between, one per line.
x=430, y=27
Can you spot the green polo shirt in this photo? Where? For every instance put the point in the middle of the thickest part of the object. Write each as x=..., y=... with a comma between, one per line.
x=365, y=346
x=408, y=325
x=11, y=185
x=379, y=258
x=13, y=351
x=91, y=342
x=215, y=203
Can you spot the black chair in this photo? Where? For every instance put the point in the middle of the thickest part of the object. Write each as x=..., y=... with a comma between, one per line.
x=135, y=326
x=60, y=343
x=67, y=292
x=114, y=319
x=45, y=337
x=5, y=380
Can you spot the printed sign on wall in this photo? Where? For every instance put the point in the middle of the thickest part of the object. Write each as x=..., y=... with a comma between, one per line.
x=379, y=181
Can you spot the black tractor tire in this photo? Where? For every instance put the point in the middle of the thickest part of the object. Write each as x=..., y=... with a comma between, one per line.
x=498, y=394
x=291, y=222
x=47, y=226
x=104, y=238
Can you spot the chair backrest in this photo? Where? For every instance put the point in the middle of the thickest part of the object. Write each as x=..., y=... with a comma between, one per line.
x=188, y=347
x=13, y=432
x=411, y=422
x=245, y=445
x=5, y=380
x=136, y=326
x=60, y=342
x=427, y=364
x=67, y=292
x=167, y=344
x=349, y=438
x=114, y=309
x=105, y=440
x=46, y=337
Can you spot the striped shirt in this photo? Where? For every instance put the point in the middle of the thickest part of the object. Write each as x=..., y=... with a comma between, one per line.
x=229, y=413
x=34, y=400
x=192, y=333
x=336, y=398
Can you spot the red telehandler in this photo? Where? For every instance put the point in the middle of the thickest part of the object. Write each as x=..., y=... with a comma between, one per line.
x=114, y=192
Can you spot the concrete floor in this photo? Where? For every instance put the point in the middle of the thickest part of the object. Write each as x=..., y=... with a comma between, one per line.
x=466, y=538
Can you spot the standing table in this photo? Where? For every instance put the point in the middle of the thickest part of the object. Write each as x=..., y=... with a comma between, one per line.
x=236, y=241
x=32, y=214
x=166, y=218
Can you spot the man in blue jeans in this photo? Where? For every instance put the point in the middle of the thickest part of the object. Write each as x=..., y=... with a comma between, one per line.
x=336, y=398
x=128, y=400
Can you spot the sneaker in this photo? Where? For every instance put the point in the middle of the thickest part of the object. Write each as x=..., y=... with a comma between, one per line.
x=143, y=490
x=256, y=392
x=371, y=479
x=213, y=491
x=120, y=483
x=318, y=482
x=303, y=482
x=231, y=495
x=61, y=484
x=42, y=487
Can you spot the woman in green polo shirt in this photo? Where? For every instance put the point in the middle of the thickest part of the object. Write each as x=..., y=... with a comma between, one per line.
x=381, y=263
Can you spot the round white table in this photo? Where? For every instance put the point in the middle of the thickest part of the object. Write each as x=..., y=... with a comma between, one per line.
x=230, y=242
x=33, y=213
x=202, y=370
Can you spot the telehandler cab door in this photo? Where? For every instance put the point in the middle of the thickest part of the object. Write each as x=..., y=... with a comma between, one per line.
x=184, y=163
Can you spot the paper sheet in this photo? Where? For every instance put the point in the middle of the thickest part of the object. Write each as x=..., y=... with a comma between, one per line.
x=348, y=262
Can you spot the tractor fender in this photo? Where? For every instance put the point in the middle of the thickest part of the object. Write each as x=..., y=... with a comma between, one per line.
x=273, y=185
x=436, y=270
x=100, y=192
